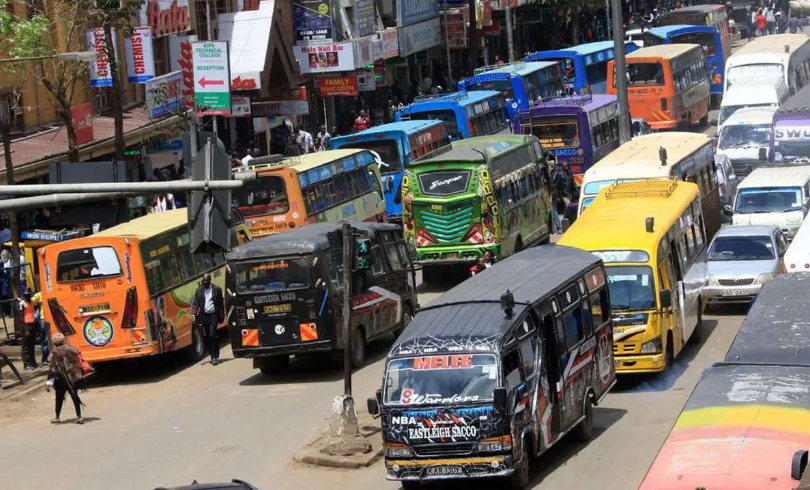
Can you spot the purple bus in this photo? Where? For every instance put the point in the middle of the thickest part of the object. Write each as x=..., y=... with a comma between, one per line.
x=790, y=138
x=581, y=129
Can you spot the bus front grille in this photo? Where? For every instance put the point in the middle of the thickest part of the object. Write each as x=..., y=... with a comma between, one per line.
x=443, y=449
x=448, y=227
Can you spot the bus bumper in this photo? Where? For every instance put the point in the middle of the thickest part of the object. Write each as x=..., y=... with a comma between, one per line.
x=445, y=469
x=654, y=363
x=665, y=124
x=288, y=349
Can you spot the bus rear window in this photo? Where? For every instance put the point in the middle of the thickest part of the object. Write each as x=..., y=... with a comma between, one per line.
x=705, y=39
x=643, y=74
x=557, y=133
x=447, y=116
x=81, y=264
x=502, y=86
x=388, y=151
x=265, y=195
x=272, y=275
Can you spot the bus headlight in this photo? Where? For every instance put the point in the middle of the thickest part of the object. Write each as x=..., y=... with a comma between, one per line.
x=654, y=346
x=763, y=278
x=495, y=444
x=396, y=450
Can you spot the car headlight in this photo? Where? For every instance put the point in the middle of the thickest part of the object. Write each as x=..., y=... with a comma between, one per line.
x=712, y=281
x=397, y=451
x=763, y=278
x=494, y=444
x=653, y=346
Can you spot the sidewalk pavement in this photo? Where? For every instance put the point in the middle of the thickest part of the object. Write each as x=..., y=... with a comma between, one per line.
x=10, y=386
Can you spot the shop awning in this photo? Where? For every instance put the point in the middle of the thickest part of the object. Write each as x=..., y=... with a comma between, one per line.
x=255, y=39
x=33, y=154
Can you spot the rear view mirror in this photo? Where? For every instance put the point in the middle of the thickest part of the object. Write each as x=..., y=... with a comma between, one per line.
x=373, y=406
x=499, y=400
x=666, y=298
x=763, y=155
x=727, y=210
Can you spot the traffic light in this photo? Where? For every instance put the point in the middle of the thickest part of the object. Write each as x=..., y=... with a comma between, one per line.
x=363, y=254
x=335, y=238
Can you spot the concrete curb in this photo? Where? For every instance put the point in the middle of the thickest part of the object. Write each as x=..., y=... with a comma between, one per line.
x=311, y=453
x=34, y=385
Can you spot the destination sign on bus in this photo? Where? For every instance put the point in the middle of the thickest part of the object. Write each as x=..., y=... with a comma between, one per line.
x=609, y=256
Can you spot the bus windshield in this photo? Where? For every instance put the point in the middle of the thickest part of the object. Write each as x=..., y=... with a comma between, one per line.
x=631, y=287
x=569, y=72
x=727, y=111
x=744, y=136
x=272, y=275
x=643, y=74
x=447, y=116
x=440, y=379
x=388, y=149
x=767, y=70
x=502, y=86
x=705, y=39
x=768, y=200
x=81, y=264
x=741, y=248
x=265, y=195
x=557, y=133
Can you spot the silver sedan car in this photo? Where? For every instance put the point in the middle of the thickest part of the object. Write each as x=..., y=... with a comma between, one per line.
x=741, y=259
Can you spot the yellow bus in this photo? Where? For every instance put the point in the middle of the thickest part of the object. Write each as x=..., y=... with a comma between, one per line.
x=650, y=235
x=326, y=186
x=682, y=156
x=126, y=292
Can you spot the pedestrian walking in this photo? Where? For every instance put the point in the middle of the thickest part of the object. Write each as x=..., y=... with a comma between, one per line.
x=208, y=311
x=762, y=24
x=563, y=184
x=30, y=329
x=324, y=137
x=43, y=329
x=793, y=24
x=770, y=20
x=752, y=23
x=362, y=122
x=65, y=376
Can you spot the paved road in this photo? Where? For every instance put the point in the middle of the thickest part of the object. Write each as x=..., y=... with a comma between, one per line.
x=157, y=423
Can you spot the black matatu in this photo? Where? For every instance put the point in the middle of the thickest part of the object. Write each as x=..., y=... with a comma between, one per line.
x=498, y=369
x=285, y=293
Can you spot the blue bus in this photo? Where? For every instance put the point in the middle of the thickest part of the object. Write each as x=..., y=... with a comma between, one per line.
x=584, y=67
x=398, y=144
x=708, y=37
x=464, y=114
x=521, y=83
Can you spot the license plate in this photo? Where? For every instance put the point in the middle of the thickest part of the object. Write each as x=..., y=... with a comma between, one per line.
x=443, y=470
x=93, y=309
x=278, y=308
x=735, y=292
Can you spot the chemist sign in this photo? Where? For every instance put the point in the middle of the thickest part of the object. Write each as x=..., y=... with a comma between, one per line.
x=212, y=79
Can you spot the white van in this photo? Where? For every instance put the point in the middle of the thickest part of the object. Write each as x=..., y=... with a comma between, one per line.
x=773, y=195
x=766, y=91
x=797, y=257
x=743, y=134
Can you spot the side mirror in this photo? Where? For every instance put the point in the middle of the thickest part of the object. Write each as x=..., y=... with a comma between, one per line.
x=389, y=185
x=499, y=400
x=373, y=406
x=727, y=210
x=763, y=155
x=412, y=252
x=666, y=298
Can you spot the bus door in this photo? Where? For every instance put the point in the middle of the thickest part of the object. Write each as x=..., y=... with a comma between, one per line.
x=675, y=266
x=550, y=412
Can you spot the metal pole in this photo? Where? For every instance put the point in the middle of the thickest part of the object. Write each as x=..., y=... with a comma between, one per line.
x=510, y=41
x=607, y=18
x=447, y=46
x=347, y=309
x=475, y=43
x=144, y=187
x=210, y=38
x=621, y=73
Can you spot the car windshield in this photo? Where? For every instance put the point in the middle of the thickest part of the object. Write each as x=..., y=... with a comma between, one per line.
x=81, y=264
x=768, y=200
x=447, y=116
x=767, y=70
x=631, y=287
x=744, y=136
x=502, y=86
x=440, y=379
x=728, y=110
x=272, y=275
x=265, y=195
x=560, y=133
x=388, y=149
x=728, y=248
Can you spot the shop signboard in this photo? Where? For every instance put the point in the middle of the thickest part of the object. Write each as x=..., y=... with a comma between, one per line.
x=100, y=74
x=140, y=56
x=365, y=81
x=240, y=106
x=166, y=16
x=364, y=18
x=212, y=87
x=456, y=30
x=419, y=37
x=342, y=85
x=414, y=11
x=363, y=51
x=313, y=21
x=82, y=116
x=324, y=58
x=493, y=29
x=390, y=40
x=164, y=95
x=486, y=13
x=291, y=102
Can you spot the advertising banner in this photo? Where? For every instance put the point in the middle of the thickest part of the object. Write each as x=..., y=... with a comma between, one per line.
x=212, y=79
x=413, y=11
x=164, y=95
x=419, y=37
x=456, y=30
x=166, y=16
x=292, y=102
x=100, y=75
x=240, y=106
x=363, y=52
x=82, y=116
x=140, y=56
x=364, y=18
x=313, y=21
x=324, y=58
x=332, y=86
x=390, y=40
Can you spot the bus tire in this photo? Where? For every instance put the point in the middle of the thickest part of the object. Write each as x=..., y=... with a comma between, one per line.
x=430, y=273
x=273, y=364
x=704, y=121
x=410, y=484
x=518, y=245
x=668, y=353
x=358, y=348
x=697, y=334
x=583, y=432
x=196, y=351
x=519, y=479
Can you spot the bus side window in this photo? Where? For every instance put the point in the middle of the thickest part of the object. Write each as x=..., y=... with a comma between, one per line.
x=599, y=307
x=393, y=256
x=527, y=355
x=574, y=328
x=378, y=265
x=512, y=376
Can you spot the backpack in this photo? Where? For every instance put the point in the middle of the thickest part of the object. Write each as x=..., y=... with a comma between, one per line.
x=86, y=369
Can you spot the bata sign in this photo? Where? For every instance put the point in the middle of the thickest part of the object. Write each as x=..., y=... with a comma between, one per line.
x=187, y=69
x=168, y=17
